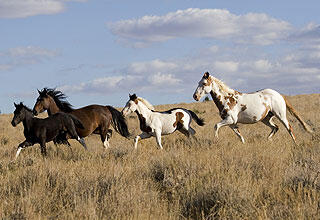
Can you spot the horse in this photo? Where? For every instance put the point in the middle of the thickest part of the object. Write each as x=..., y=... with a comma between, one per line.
x=247, y=108
x=153, y=123
x=95, y=118
x=41, y=131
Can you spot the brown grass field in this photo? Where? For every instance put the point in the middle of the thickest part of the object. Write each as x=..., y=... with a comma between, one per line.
x=199, y=178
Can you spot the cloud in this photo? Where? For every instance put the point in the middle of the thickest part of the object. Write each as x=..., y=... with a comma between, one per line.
x=154, y=65
x=19, y=56
x=226, y=66
x=129, y=82
x=218, y=24
x=26, y=8
x=309, y=34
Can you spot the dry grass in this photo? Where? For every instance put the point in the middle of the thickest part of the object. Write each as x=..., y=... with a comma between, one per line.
x=200, y=178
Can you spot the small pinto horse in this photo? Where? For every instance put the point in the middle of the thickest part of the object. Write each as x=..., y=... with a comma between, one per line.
x=41, y=131
x=246, y=108
x=95, y=118
x=155, y=124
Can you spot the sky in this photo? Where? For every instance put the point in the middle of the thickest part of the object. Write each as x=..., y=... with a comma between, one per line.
x=99, y=51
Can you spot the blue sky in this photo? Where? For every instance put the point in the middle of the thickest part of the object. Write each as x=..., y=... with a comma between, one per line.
x=98, y=51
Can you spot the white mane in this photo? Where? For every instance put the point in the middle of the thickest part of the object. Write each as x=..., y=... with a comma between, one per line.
x=222, y=86
x=146, y=103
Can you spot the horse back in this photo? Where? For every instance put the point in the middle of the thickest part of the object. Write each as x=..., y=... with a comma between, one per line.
x=91, y=116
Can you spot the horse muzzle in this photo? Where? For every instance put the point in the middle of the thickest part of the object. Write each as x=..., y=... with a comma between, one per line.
x=13, y=123
x=196, y=97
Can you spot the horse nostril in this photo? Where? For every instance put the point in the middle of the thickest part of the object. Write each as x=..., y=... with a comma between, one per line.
x=35, y=112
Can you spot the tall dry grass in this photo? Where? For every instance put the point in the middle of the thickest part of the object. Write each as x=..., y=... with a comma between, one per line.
x=200, y=178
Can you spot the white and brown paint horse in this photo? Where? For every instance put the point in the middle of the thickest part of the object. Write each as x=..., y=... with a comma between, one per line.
x=246, y=108
x=153, y=123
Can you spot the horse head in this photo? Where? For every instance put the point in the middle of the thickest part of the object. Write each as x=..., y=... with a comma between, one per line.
x=204, y=86
x=19, y=113
x=42, y=102
x=131, y=105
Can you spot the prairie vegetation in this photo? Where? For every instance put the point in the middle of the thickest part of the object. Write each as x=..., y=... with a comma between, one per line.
x=199, y=178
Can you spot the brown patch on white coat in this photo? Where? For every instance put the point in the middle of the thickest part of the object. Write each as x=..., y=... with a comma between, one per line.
x=179, y=121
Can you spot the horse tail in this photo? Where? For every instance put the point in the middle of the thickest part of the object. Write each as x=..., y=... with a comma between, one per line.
x=119, y=122
x=295, y=114
x=198, y=120
x=76, y=121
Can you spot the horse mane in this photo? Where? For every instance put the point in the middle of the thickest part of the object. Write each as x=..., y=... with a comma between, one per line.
x=146, y=103
x=60, y=99
x=222, y=86
x=26, y=107
x=21, y=106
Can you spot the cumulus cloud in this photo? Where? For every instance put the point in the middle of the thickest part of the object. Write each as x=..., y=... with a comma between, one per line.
x=219, y=24
x=26, y=8
x=129, y=82
x=19, y=56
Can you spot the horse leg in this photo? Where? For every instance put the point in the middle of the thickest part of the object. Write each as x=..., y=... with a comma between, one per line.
x=186, y=129
x=224, y=122
x=143, y=135
x=283, y=118
x=158, y=138
x=237, y=131
x=268, y=121
x=43, y=147
x=105, y=132
x=73, y=133
x=21, y=146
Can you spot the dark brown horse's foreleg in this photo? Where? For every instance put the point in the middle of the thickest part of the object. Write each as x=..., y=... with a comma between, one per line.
x=43, y=148
x=21, y=146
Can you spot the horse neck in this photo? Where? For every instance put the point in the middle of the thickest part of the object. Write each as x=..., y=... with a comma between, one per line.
x=53, y=108
x=143, y=110
x=28, y=120
x=219, y=96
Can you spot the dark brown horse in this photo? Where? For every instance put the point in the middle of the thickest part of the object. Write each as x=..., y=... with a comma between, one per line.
x=41, y=131
x=95, y=118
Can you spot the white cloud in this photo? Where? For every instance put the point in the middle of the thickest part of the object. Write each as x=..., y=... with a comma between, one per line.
x=226, y=66
x=203, y=23
x=160, y=79
x=19, y=56
x=309, y=34
x=262, y=65
x=154, y=65
x=26, y=8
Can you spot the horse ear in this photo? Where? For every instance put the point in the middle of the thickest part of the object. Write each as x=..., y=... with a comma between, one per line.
x=129, y=95
x=15, y=105
x=206, y=75
x=39, y=91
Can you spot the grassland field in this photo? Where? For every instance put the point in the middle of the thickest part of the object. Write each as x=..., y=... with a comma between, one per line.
x=197, y=178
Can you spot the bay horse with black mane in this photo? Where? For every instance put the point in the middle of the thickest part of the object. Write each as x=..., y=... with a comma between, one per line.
x=41, y=131
x=247, y=108
x=95, y=118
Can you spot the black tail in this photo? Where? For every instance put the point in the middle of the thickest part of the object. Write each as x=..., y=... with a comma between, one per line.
x=198, y=120
x=119, y=122
x=76, y=121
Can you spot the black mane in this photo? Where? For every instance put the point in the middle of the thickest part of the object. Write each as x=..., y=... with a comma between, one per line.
x=59, y=98
x=20, y=106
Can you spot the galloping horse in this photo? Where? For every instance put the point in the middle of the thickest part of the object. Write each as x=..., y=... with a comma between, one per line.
x=95, y=118
x=247, y=108
x=40, y=131
x=154, y=123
